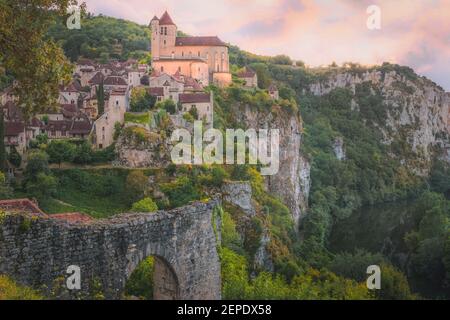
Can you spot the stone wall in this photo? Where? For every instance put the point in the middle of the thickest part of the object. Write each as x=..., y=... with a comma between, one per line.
x=37, y=250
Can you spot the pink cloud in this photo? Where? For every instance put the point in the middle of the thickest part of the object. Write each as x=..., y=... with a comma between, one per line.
x=414, y=32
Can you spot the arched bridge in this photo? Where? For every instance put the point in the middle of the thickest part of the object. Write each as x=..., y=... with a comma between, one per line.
x=36, y=250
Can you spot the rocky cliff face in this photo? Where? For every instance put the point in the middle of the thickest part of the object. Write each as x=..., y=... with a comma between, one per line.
x=292, y=181
x=417, y=109
x=139, y=147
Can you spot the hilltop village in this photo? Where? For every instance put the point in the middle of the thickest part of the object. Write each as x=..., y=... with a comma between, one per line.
x=99, y=96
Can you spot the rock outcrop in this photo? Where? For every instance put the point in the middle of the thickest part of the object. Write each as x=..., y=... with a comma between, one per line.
x=240, y=195
x=417, y=108
x=139, y=147
x=291, y=183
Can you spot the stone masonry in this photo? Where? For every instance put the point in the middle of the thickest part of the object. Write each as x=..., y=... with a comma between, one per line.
x=36, y=250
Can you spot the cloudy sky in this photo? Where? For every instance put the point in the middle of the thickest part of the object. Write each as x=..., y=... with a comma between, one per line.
x=413, y=32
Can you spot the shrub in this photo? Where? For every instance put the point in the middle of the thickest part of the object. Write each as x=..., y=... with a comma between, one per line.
x=140, y=283
x=61, y=150
x=9, y=290
x=37, y=162
x=180, y=192
x=14, y=157
x=42, y=187
x=144, y=205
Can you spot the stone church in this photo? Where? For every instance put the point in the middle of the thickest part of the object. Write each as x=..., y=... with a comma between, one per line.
x=204, y=58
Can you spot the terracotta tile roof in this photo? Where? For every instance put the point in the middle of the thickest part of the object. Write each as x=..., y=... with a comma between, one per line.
x=165, y=19
x=35, y=122
x=69, y=107
x=58, y=125
x=200, y=41
x=248, y=73
x=115, y=81
x=72, y=87
x=14, y=128
x=156, y=91
x=21, y=205
x=194, y=97
x=13, y=113
x=79, y=126
x=97, y=79
x=191, y=82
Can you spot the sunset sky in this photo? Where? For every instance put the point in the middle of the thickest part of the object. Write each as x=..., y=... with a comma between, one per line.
x=413, y=32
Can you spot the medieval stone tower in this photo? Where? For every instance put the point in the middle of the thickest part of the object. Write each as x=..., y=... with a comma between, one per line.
x=164, y=34
x=203, y=58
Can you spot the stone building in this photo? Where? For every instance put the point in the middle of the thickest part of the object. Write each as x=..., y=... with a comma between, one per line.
x=103, y=128
x=203, y=102
x=202, y=58
x=249, y=77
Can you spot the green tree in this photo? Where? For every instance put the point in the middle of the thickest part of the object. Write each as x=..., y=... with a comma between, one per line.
x=281, y=59
x=83, y=153
x=170, y=106
x=37, y=162
x=61, y=150
x=394, y=285
x=140, y=283
x=42, y=187
x=2, y=141
x=144, y=205
x=37, y=63
x=234, y=275
x=14, y=157
x=141, y=100
x=5, y=190
x=194, y=112
x=100, y=93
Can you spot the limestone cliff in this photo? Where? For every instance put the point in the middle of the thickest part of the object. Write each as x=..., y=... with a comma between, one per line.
x=417, y=110
x=292, y=181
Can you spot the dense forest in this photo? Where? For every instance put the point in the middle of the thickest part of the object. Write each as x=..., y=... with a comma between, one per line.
x=102, y=38
x=310, y=266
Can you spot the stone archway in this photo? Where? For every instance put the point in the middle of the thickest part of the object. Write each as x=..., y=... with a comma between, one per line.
x=165, y=281
x=108, y=250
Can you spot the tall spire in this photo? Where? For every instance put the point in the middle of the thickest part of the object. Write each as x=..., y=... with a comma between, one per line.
x=165, y=19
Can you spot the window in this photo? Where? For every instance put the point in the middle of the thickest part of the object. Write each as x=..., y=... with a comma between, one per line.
x=162, y=69
x=182, y=53
x=164, y=42
x=162, y=30
x=179, y=69
x=199, y=53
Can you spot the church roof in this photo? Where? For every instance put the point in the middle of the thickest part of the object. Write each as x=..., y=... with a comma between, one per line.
x=199, y=41
x=194, y=97
x=165, y=19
